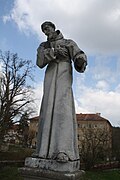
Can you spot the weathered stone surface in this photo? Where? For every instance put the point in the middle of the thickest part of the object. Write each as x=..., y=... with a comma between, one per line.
x=53, y=165
x=57, y=129
x=36, y=173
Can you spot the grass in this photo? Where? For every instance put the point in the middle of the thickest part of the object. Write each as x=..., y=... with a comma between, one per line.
x=16, y=154
x=11, y=173
x=103, y=175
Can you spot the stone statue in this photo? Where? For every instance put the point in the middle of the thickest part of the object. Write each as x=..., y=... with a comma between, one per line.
x=56, y=155
x=57, y=131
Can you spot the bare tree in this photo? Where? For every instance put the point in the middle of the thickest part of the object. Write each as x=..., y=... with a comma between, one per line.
x=15, y=93
x=23, y=129
x=31, y=136
x=95, y=146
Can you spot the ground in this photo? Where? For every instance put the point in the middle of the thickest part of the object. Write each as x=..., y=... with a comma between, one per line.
x=11, y=173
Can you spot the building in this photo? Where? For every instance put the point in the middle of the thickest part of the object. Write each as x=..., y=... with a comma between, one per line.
x=87, y=123
x=94, y=136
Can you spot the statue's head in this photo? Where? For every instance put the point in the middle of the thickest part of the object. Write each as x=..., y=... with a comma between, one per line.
x=47, y=23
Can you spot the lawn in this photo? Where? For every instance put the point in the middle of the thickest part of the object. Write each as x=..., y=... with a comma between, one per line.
x=103, y=175
x=11, y=173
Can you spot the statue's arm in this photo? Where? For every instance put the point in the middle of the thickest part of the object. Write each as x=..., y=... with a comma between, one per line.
x=78, y=56
x=44, y=55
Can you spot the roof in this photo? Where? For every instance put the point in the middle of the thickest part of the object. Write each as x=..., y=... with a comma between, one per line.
x=91, y=117
x=82, y=117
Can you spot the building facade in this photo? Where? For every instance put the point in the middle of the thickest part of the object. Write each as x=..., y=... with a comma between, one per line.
x=90, y=126
x=94, y=137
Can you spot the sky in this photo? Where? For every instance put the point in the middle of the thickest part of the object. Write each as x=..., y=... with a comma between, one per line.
x=93, y=24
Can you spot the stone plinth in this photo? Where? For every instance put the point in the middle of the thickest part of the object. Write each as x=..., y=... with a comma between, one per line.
x=53, y=165
x=48, y=169
x=40, y=174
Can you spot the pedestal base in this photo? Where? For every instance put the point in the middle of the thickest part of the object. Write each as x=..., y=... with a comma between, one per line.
x=52, y=165
x=40, y=174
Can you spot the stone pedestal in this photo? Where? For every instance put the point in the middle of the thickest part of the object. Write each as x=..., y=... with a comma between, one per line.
x=52, y=165
x=40, y=174
x=45, y=169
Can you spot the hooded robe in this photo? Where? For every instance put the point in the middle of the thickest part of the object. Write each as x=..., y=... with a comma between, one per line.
x=57, y=130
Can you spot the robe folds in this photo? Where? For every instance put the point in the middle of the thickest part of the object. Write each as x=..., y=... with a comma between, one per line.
x=57, y=130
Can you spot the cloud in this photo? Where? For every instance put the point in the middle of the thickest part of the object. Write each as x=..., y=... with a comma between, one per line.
x=101, y=92
x=38, y=93
x=105, y=68
x=98, y=99
x=102, y=85
x=118, y=88
x=93, y=24
x=0, y=67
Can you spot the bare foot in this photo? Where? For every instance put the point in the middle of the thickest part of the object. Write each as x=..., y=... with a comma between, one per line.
x=62, y=157
x=35, y=155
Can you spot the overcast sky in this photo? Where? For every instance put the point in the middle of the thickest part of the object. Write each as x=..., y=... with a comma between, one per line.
x=93, y=24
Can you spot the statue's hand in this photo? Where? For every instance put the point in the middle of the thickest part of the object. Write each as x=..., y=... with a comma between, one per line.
x=80, y=62
x=62, y=51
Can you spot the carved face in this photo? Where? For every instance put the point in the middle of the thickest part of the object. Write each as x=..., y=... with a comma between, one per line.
x=48, y=30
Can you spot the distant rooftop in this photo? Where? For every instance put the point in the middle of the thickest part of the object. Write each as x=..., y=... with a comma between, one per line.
x=82, y=117
x=91, y=117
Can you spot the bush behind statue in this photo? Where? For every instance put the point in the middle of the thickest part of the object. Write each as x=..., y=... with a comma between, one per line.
x=15, y=153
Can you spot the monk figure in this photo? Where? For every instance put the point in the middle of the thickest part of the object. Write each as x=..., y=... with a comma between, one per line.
x=57, y=131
